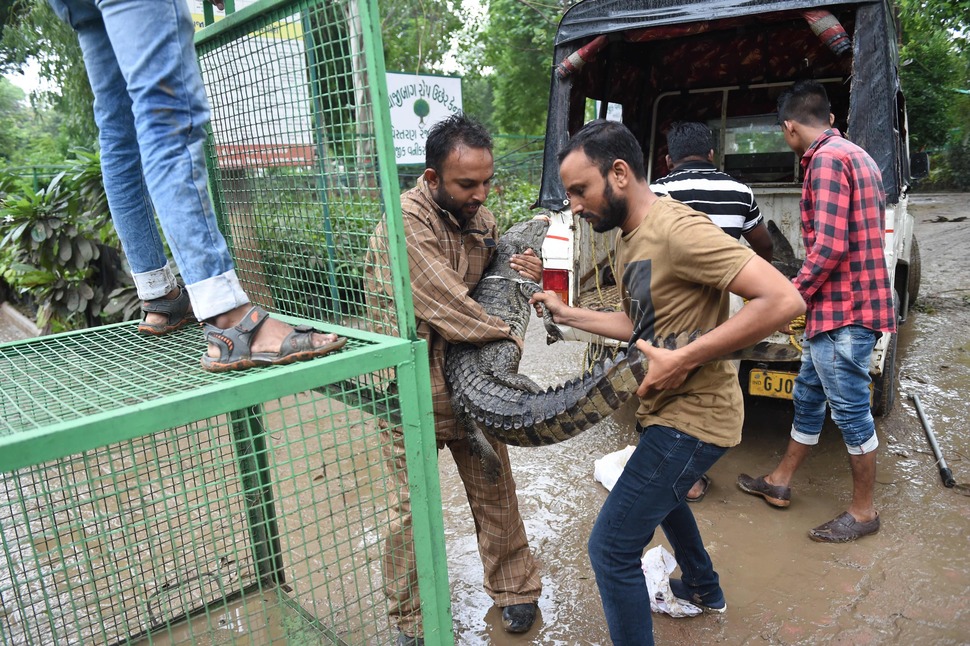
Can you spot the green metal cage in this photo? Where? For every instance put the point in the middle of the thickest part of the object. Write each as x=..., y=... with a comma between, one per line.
x=145, y=501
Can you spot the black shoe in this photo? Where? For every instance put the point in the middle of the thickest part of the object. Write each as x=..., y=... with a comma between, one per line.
x=519, y=617
x=711, y=602
x=407, y=640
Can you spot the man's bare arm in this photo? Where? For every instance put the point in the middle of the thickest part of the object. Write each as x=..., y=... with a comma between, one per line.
x=614, y=325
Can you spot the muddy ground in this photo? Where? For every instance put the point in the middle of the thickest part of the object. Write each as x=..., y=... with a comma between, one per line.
x=909, y=584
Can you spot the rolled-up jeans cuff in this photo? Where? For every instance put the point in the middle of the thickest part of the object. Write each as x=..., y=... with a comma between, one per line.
x=217, y=295
x=808, y=439
x=155, y=283
x=868, y=446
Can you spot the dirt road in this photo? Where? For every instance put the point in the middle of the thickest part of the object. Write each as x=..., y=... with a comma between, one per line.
x=909, y=584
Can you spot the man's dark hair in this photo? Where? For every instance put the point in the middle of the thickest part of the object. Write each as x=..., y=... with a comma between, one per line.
x=604, y=142
x=448, y=134
x=689, y=139
x=806, y=102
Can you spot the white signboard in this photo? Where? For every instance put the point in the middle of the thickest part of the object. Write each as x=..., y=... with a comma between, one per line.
x=417, y=102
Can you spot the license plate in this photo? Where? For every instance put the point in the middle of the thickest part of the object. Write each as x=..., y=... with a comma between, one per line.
x=771, y=383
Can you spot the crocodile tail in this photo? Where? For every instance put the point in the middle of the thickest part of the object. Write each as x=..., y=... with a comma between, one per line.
x=522, y=418
x=535, y=419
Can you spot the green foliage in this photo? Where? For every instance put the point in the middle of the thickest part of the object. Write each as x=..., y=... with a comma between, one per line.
x=30, y=135
x=929, y=73
x=417, y=33
x=519, y=43
x=58, y=246
x=317, y=270
x=33, y=31
x=511, y=199
x=935, y=61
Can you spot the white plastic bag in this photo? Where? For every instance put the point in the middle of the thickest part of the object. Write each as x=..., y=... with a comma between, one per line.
x=608, y=468
x=657, y=565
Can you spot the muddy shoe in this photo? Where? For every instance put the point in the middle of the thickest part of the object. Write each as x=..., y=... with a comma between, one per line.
x=710, y=602
x=774, y=496
x=407, y=640
x=177, y=312
x=518, y=618
x=843, y=528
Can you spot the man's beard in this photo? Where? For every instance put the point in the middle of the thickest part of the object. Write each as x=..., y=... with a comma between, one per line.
x=614, y=213
x=452, y=205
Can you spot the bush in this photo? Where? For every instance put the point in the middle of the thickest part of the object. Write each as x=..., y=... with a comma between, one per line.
x=58, y=247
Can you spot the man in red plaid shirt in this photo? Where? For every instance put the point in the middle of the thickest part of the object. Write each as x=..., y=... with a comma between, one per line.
x=849, y=297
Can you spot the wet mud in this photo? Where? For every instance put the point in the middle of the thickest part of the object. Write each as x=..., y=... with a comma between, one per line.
x=908, y=584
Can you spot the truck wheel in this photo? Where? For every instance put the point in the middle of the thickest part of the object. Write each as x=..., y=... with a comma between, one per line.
x=884, y=386
x=912, y=287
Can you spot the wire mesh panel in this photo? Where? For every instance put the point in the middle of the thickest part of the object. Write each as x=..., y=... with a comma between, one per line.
x=294, y=153
x=260, y=526
x=143, y=500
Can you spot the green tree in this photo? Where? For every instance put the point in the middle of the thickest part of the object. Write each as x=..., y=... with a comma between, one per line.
x=11, y=98
x=935, y=53
x=418, y=33
x=30, y=133
x=33, y=31
x=519, y=43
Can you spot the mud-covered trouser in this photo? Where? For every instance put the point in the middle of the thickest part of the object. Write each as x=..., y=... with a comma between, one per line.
x=511, y=571
x=835, y=372
x=651, y=491
x=151, y=111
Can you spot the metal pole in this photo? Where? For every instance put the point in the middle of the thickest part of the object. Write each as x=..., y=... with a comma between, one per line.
x=945, y=472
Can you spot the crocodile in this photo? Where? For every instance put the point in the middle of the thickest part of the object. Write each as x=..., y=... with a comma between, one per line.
x=532, y=416
x=488, y=394
x=502, y=292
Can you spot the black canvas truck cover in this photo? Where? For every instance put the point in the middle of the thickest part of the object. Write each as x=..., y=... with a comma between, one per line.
x=724, y=37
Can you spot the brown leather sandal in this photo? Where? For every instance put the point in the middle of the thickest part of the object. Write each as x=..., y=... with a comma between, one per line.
x=773, y=495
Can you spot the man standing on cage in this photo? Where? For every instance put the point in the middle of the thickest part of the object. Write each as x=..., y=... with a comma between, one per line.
x=451, y=238
x=151, y=111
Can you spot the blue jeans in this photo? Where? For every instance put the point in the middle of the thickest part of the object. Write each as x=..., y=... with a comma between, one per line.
x=835, y=372
x=651, y=491
x=151, y=111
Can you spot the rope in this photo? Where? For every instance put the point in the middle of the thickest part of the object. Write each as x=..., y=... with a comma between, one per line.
x=521, y=281
x=609, y=261
x=797, y=325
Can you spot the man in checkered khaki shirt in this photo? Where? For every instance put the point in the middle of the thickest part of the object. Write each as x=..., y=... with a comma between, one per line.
x=451, y=237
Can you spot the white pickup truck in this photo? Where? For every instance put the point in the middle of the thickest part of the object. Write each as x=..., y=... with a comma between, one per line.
x=652, y=62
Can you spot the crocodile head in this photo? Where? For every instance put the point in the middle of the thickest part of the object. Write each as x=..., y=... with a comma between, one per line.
x=528, y=234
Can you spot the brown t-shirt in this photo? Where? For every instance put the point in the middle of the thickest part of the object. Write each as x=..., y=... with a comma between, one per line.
x=674, y=270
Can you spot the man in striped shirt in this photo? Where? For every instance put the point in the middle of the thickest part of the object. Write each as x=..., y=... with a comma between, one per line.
x=696, y=181
x=849, y=297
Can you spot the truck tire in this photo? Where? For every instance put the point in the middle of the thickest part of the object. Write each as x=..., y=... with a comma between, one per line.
x=914, y=274
x=884, y=386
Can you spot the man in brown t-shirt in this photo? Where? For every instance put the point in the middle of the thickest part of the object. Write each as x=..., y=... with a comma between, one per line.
x=675, y=268
x=451, y=238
